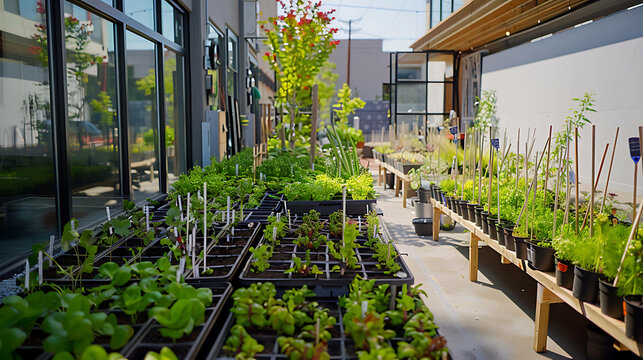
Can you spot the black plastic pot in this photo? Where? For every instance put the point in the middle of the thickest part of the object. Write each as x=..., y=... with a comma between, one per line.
x=600, y=345
x=564, y=273
x=522, y=247
x=585, y=285
x=423, y=226
x=510, y=242
x=492, y=222
x=424, y=195
x=501, y=234
x=485, y=221
x=542, y=257
x=478, y=211
x=634, y=317
x=390, y=180
x=611, y=303
x=471, y=211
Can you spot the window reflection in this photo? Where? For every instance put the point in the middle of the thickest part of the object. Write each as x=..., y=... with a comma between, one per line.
x=174, y=114
x=92, y=128
x=141, y=11
x=27, y=210
x=142, y=115
x=172, y=23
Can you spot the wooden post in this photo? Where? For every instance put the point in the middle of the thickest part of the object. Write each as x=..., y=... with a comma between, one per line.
x=397, y=185
x=547, y=169
x=313, y=126
x=544, y=297
x=404, y=188
x=576, y=177
x=473, y=257
x=436, y=221
x=609, y=171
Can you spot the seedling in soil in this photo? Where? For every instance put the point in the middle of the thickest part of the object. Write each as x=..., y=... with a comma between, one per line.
x=346, y=251
x=260, y=257
x=303, y=268
x=242, y=345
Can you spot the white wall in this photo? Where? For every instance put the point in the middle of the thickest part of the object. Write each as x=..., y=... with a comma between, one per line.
x=535, y=83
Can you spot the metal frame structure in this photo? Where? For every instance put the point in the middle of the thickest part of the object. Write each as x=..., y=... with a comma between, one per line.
x=395, y=81
x=58, y=91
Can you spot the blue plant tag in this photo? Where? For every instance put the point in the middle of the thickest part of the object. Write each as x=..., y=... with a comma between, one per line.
x=635, y=149
x=453, y=130
x=495, y=143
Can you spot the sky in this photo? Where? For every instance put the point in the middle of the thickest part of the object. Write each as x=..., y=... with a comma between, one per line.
x=398, y=22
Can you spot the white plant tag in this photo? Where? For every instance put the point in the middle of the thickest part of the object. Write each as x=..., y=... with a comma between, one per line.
x=27, y=274
x=109, y=218
x=52, y=238
x=364, y=308
x=40, y=267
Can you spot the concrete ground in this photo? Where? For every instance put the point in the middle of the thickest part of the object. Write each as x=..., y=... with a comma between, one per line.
x=492, y=318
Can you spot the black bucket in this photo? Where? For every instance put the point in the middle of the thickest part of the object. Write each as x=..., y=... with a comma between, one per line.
x=522, y=247
x=471, y=210
x=424, y=195
x=543, y=257
x=478, y=211
x=510, y=242
x=485, y=222
x=492, y=221
x=634, y=317
x=600, y=345
x=423, y=226
x=501, y=233
x=585, y=285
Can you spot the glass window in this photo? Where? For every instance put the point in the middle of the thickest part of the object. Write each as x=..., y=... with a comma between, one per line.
x=172, y=23
x=174, y=82
x=142, y=125
x=141, y=11
x=435, y=12
x=411, y=97
x=446, y=9
x=216, y=43
x=27, y=206
x=232, y=64
x=92, y=128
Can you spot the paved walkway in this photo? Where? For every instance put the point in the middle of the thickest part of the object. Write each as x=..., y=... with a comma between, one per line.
x=489, y=319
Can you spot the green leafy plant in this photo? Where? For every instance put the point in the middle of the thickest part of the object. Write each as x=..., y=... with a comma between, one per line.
x=344, y=250
x=303, y=267
x=242, y=345
x=260, y=257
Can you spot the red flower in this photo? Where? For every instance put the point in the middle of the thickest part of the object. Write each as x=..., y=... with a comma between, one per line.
x=334, y=42
x=267, y=54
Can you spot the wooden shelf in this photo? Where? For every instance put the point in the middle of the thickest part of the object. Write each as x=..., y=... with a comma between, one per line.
x=548, y=291
x=399, y=178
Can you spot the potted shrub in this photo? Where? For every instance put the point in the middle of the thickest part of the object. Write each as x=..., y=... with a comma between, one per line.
x=631, y=286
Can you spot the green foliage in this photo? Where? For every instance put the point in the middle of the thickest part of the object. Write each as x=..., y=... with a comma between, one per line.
x=360, y=187
x=260, y=257
x=344, y=250
x=485, y=109
x=303, y=268
x=275, y=230
x=165, y=354
x=242, y=345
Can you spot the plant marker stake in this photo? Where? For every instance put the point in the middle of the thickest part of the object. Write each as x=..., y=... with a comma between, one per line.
x=274, y=234
x=317, y=326
x=495, y=143
x=530, y=187
x=359, y=223
x=179, y=272
x=73, y=225
x=391, y=302
x=547, y=169
x=609, y=171
x=52, y=238
x=567, y=182
x=480, y=166
x=364, y=308
x=343, y=216
x=40, y=267
x=374, y=231
x=576, y=177
x=454, y=130
x=635, y=227
x=517, y=159
x=194, y=266
x=187, y=219
x=489, y=169
x=205, y=220
x=533, y=205
x=635, y=154
x=289, y=220
x=228, y=211
x=109, y=218
x=236, y=169
x=598, y=177
x=147, y=218
x=591, y=204
x=560, y=160
x=180, y=207
x=27, y=274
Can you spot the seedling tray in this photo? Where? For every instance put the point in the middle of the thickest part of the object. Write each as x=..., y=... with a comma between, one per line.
x=353, y=207
x=340, y=346
x=188, y=346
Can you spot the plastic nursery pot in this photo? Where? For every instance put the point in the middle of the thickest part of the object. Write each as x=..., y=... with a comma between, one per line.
x=423, y=226
x=492, y=222
x=390, y=180
x=485, y=221
x=564, y=273
x=542, y=257
x=611, y=303
x=478, y=211
x=424, y=195
x=501, y=234
x=634, y=317
x=510, y=242
x=423, y=210
x=471, y=209
x=464, y=211
x=522, y=247
x=450, y=202
x=600, y=345
x=585, y=285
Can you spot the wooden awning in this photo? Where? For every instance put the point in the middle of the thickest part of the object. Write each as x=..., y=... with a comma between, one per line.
x=479, y=22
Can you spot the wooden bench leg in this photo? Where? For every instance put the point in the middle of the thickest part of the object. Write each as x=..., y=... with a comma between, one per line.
x=384, y=170
x=544, y=297
x=379, y=174
x=436, y=223
x=404, y=188
x=473, y=257
x=397, y=186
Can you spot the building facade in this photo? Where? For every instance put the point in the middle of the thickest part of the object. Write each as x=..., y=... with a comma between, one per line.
x=105, y=100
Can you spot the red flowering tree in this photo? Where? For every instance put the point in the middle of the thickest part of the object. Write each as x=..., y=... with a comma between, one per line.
x=299, y=44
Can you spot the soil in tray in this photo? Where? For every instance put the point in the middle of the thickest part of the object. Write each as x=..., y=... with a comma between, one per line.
x=220, y=260
x=225, y=250
x=29, y=352
x=180, y=350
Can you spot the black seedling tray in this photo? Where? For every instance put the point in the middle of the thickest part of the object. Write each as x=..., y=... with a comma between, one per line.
x=187, y=347
x=353, y=207
x=224, y=257
x=340, y=346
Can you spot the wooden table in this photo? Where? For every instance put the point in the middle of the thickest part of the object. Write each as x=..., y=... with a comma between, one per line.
x=548, y=291
x=401, y=180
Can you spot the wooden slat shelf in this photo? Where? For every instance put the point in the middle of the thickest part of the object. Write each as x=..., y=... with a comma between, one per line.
x=399, y=178
x=548, y=291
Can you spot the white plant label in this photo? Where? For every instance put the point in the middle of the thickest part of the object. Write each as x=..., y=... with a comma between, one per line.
x=109, y=218
x=40, y=267
x=52, y=238
x=364, y=308
x=205, y=220
x=179, y=273
x=359, y=223
x=73, y=225
x=27, y=274
x=147, y=218
x=228, y=211
x=181, y=207
x=187, y=219
x=236, y=169
x=274, y=234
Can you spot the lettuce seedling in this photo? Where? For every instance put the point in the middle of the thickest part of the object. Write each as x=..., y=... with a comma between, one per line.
x=298, y=349
x=303, y=268
x=260, y=257
x=241, y=344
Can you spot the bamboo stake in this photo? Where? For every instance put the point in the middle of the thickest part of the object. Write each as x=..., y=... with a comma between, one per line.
x=517, y=159
x=591, y=205
x=609, y=171
x=560, y=160
x=576, y=177
x=566, y=220
x=489, y=167
x=533, y=206
x=530, y=187
x=480, y=166
x=547, y=169
x=636, y=164
x=598, y=176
